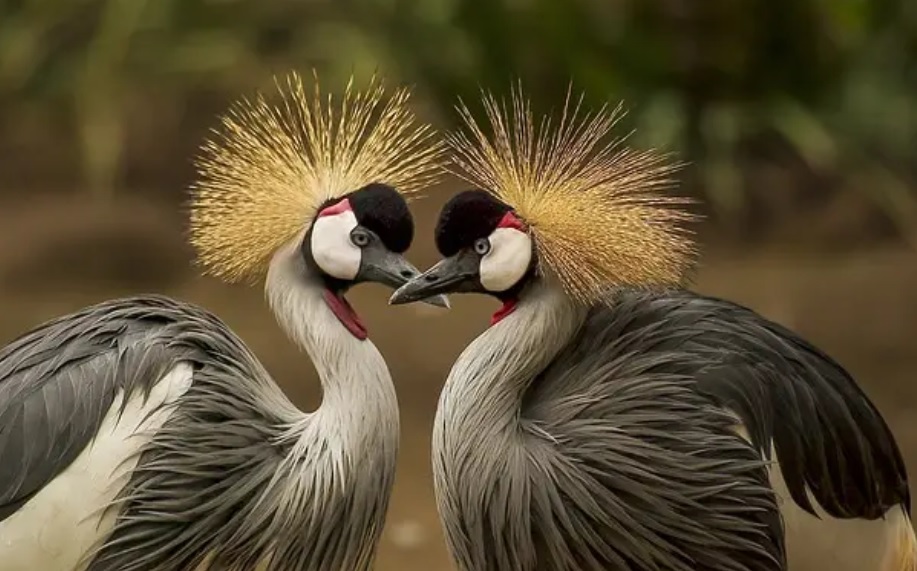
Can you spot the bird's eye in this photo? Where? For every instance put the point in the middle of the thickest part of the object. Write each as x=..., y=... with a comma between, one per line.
x=359, y=238
x=481, y=246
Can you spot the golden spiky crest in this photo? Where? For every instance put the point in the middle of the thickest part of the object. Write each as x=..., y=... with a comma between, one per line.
x=265, y=173
x=596, y=210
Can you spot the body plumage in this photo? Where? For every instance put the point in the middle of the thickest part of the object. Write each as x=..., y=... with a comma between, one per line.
x=233, y=471
x=620, y=446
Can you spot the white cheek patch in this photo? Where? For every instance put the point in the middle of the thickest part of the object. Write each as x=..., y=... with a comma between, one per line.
x=508, y=260
x=332, y=249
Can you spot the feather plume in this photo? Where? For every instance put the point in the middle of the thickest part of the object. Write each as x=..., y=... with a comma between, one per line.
x=597, y=210
x=263, y=176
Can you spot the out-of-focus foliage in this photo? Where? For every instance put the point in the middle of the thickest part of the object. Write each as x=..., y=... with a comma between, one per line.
x=823, y=88
x=724, y=82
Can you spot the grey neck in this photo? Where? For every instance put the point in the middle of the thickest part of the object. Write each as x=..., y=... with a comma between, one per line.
x=487, y=383
x=354, y=432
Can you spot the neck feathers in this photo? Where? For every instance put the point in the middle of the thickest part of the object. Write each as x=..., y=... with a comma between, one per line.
x=496, y=369
x=339, y=470
x=352, y=372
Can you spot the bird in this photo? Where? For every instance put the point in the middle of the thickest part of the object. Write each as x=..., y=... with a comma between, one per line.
x=142, y=434
x=609, y=417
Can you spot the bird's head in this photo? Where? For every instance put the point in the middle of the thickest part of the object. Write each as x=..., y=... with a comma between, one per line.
x=313, y=190
x=556, y=201
x=487, y=248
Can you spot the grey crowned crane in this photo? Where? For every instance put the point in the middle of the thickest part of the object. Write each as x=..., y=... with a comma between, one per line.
x=610, y=419
x=142, y=435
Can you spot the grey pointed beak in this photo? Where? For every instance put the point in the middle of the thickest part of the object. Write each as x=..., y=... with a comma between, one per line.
x=393, y=270
x=457, y=274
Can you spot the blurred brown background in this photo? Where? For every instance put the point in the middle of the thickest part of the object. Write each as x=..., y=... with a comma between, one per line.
x=798, y=118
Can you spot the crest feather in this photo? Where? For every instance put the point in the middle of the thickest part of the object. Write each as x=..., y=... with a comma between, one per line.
x=596, y=210
x=265, y=173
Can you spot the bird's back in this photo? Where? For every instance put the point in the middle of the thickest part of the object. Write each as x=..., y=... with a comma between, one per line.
x=645, y=402
x=146, y=402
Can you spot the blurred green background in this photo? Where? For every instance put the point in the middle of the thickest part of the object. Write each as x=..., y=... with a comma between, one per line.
x=798, y=119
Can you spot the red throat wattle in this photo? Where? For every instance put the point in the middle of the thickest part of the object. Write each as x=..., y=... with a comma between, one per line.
x=345, y=314
x=508, y=306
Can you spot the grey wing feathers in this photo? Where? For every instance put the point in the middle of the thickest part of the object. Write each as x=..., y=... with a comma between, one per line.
x=830, y=440
x=58, y=381
x=202, y=487
x=653, y=475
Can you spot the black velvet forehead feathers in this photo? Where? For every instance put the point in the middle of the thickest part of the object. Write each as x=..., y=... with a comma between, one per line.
x=467, y=216
x=383, y=210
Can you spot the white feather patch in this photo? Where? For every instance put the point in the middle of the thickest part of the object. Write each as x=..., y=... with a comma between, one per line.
x=332, y=249
x=54, y=530
x=507, y=261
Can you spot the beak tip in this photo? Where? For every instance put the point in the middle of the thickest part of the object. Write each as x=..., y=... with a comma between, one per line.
x=401, y=297
x=397, y=298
